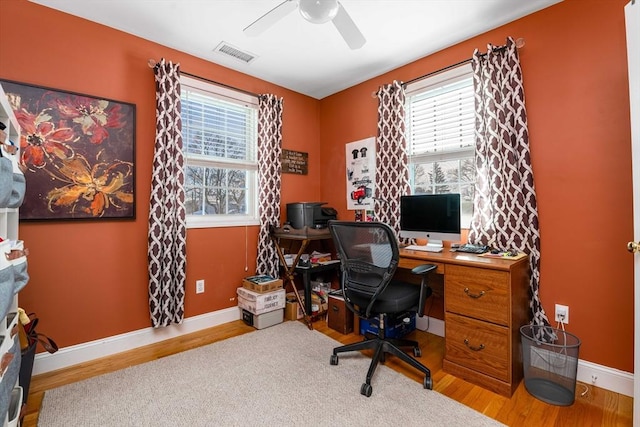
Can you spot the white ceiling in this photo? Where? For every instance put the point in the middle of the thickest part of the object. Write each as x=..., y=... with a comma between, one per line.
x=311, y=59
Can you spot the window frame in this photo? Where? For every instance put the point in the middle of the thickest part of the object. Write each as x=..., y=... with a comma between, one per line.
x=450, y=76
x=250, y=166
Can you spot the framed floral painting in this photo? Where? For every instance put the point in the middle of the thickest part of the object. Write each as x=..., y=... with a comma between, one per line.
x=77, y=153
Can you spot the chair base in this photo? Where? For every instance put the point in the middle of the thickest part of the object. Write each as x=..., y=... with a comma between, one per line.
x=381, y=347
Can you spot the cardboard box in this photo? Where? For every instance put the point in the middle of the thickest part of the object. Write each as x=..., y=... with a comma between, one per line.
x=261, y=287
x=292, y=310
x=261, y=321
x=258, y=303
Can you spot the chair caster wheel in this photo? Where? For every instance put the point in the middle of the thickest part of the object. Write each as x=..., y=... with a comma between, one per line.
x=428, y=383
x=366, y=390
x=334, y=359
x=417, y=352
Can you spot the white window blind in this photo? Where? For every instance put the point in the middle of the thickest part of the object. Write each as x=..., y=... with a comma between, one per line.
x=440, y=116
x=218, y=127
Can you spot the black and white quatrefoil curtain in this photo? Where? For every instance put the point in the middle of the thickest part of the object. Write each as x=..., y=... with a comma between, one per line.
x=392, y=173
x=167, y=215
x=269, y=173
x=505, y=208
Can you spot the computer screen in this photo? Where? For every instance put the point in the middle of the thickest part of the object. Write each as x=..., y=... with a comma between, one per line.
x=435, y=217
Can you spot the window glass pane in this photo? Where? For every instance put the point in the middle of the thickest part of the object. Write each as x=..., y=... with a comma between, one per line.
x=193, y=176
x=421, y=178
x=217, y=200
x=466, y=204
x=237, y=201
x=193, y=201
x=237, y=179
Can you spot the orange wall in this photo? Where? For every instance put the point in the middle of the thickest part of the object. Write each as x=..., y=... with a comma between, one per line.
x=89, y=279
x=575, y=77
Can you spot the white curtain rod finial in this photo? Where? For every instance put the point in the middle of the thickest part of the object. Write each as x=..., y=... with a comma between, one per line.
x=519, y=42
x=151, y=63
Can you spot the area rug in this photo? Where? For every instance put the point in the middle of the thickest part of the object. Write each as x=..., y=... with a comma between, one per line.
x=278, y=376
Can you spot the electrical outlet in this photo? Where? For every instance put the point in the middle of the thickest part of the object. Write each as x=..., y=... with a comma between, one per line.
x=562, y=313
x=199, y=286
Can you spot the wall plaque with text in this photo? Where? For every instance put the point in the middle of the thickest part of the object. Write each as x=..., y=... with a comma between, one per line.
x=294, y=162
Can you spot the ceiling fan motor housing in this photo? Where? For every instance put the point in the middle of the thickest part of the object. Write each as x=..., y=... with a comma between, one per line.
x=319, y=11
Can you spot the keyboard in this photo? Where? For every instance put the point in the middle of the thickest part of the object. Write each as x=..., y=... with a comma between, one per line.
x=472, y=249
x=425, y=248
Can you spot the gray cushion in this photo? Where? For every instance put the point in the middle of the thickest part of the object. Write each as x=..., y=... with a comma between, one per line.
x=6, y=285
x=6, y=181
x=18, y=187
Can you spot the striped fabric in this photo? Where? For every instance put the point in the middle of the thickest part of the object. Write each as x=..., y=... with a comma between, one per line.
x=505, y=209
x=392, y=173
x=269, y=173
x=167, y=214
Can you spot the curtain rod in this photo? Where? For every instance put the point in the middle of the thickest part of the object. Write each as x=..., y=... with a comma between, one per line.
x=152, y=64
x=519, y=44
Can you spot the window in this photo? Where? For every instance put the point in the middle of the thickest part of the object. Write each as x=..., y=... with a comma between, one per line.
x=440, y=136
x=219, y=131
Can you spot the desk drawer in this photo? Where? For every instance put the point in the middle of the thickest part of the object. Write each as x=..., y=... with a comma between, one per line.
x=477, y=292
x=411, y=263
x=480, y=346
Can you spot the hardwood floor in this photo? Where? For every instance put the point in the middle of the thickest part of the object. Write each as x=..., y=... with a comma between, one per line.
x=593, y=406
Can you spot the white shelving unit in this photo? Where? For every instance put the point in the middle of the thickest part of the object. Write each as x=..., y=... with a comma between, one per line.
x=10, y=392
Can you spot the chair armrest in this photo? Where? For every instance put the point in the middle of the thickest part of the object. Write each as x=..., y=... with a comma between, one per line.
x=425, y=290
x=423, y=269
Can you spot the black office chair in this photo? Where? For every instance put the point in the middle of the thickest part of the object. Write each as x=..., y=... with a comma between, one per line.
x=369, y=257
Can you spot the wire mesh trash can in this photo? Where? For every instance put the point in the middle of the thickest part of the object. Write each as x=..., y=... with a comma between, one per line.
x=550, y=362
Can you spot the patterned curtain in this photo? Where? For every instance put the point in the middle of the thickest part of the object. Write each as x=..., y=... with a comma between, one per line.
x=392, y=172
x=167, y=216
x=505, y=209
x=269, y=170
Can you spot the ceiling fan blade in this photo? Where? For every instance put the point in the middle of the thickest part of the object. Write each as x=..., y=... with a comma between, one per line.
x=258, y=26
x=348, y=29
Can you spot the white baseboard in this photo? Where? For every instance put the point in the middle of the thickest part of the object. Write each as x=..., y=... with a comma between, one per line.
x=608, y=378
x=69, y=356
x=430, y=324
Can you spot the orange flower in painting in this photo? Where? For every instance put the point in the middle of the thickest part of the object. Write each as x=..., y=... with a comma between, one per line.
x=91, y=190
x=40, y=139
x=94, y=116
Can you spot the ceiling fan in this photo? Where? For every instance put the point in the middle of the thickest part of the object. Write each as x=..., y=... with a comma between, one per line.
x=315, y=11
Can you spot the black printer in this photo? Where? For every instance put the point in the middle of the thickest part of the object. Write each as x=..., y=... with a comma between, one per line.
x=310, y=214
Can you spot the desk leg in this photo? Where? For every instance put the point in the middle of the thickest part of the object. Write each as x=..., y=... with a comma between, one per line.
x=306, y=281
x=289, y=275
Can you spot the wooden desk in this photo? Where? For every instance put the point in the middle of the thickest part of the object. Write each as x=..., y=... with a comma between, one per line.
x=485, y=301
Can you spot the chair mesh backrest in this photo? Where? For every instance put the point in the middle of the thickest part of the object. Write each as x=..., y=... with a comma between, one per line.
x=369, y=257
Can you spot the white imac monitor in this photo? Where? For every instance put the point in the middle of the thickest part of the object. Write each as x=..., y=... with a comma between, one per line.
x=435, y=217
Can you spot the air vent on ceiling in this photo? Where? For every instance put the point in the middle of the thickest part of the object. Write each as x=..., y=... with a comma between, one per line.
x=234, y=52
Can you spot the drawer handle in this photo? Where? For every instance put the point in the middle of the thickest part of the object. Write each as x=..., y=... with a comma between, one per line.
x=466, y=342
x=466, y=291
